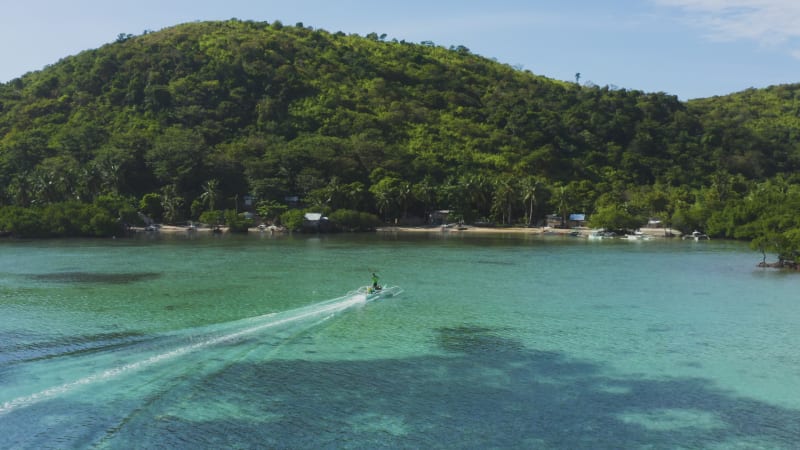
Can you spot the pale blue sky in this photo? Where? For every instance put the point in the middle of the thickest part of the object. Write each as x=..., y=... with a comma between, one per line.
x=689, y=48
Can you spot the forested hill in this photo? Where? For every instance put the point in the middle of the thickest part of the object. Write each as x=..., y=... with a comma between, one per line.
x=755, y=132
x=203, y=114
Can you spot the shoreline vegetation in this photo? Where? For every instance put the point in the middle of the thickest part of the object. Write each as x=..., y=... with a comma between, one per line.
x=201, y=121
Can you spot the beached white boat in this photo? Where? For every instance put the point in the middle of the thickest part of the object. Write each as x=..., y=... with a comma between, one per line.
x=601, y=233
x=638, y=236
x=697, y=236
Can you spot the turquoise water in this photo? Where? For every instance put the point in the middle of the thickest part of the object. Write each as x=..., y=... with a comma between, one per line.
x=502, y=342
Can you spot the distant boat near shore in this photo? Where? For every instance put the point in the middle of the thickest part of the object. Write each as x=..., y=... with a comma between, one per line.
x=697, y=236
x=601, y=233
x=637, y=236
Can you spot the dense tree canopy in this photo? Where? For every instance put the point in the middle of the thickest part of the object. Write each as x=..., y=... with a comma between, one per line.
x=199, y=116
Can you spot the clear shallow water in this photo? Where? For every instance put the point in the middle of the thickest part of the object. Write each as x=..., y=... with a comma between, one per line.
x=506, y=342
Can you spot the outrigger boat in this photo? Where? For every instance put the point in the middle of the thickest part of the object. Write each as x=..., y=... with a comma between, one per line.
x=373, y=293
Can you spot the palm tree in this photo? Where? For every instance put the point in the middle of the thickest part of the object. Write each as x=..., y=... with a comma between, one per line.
x=334, y=192
x=353, y=194
x=563, y=194
x=210, y=193
x=386, y=194
x=425, y=192
x=404, y=195
x=384, y=202
x=19, y=190
x=171, y=202
x=469, y=195
x=504, y=197
x=529, y=186
x=479, y=193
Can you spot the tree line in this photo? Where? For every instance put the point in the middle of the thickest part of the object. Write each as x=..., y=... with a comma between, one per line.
x=194, y=119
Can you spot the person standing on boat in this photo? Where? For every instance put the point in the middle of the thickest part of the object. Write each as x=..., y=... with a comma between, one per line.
x=375, y=281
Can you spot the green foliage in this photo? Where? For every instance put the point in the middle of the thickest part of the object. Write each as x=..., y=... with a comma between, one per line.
x=197, y=116
x=387, y=193
x=768, y=217
x=68, y=219
x=292, y=219
x=210, y=193
x=22, y=222
x=237, y=223
x=171, y=204
x=214, y=217
x=350, y=220
x=122, y=208
x=270, y=209
x=150, y=205
x=615, y=218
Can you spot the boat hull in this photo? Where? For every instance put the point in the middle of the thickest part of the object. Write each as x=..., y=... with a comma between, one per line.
x=371, y=293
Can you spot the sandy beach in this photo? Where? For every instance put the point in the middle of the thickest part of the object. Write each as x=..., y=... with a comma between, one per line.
x=580, y=232
x=466, y=229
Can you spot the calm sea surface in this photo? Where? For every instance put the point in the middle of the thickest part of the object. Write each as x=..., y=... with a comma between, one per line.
x=496, y=342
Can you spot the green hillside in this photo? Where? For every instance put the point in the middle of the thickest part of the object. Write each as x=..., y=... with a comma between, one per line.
x=197, y=117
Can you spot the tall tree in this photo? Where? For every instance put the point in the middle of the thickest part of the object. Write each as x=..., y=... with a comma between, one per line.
x=504, y=194
x=172, y=203
x=211, y=193
x=529, y=186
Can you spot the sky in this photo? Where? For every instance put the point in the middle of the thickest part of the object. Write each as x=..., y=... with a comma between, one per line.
x=688, y=48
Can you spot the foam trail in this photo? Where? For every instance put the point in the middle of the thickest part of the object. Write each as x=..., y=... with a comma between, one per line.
x=326, y=309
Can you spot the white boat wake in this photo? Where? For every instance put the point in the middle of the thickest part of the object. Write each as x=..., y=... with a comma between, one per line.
x=195, y=340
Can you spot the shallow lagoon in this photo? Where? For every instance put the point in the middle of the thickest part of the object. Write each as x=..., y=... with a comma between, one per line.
x=502, y=341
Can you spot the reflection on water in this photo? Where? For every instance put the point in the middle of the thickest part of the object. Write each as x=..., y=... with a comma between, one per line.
x=95, y=277
x=523, y=399
x=474, y=339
